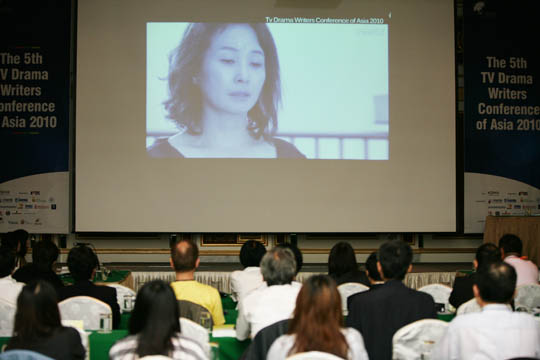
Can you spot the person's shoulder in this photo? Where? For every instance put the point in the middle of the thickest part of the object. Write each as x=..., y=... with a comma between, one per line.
x=285, y=149
x=162, y=149
x=182, y=343
x=207, y=288
x=123, y=347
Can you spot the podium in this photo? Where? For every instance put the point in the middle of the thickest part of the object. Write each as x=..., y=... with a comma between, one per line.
x=526, y=227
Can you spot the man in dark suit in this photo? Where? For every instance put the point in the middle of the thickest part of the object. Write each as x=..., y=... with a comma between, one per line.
x=379, y=313
x=82, y=263
x=462, y=291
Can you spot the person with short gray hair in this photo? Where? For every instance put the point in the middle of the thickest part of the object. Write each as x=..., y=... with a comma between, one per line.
x=272, y=302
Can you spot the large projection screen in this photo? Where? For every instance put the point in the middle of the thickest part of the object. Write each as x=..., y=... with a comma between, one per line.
x=244, y=116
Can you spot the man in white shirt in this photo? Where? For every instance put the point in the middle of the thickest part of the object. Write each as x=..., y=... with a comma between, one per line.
x=9, y=288
x=496, y=332
x=511, y=248
x=269, y=304
x=245, y=281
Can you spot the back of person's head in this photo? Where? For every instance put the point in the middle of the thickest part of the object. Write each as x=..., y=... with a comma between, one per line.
x=184, y=255
x=297, y=255
x=155, y=318
x=82, y=261
x=7, y=261
x=44, y=254
x=16, y=240
x=496, y=282
x=487, y=254
x=511, y=243
x=395, y=257
x=37, y=314
x=251, y=253
x=278, y=266
x=341, y=259
x=318, y=317
x=371, y=267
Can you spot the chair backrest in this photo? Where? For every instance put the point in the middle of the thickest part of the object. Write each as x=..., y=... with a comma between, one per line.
x=439, y=292
x=348, y=289
x=470, y=306
x=417, y=339
x=121, y=292
x=23, y=355
x=7, y=317
x=261, y=343
x=196, y=332
x=192, y=311
x=527, y=297
x=314, y=355
x=84, y=308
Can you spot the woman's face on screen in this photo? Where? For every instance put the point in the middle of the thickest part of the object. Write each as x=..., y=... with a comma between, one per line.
x=233, y=70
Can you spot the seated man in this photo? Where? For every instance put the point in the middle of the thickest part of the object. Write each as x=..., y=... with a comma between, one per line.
x=249, y=279
x=271, y=303
x=379, y=313
x=82, y=264
x=462, y=292
x=496, y=332
x=511, y=247
x=44, y=256
x=9, y=288
x=372, y=273
x=185, y=260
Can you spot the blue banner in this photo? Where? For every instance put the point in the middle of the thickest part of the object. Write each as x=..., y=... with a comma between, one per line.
x=502, y=110
x=35, y=53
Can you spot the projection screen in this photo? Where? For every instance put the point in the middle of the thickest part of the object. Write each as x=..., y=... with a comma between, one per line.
x=247, y=116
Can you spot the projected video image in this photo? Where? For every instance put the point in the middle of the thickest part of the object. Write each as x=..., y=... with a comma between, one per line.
x=279, y=90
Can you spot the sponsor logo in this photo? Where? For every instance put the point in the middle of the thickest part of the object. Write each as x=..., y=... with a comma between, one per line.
x=29, y=213
x=517, y=206
x=23, y=193
x=29, y=206
x=497, y=207
x=7, y=200
x=53, y=206
x=21, y=200
x=17, y=212
x=41, y=206
x=495, y=201
x=526, y=200
x=523, y=193
x=529, y=207
x=511, y=193
x=509, y=206
x=13, y=222
x=510, y=200
x=493, y=193
x=8, y=213
x=8, y=207
x=4, y=192
x=35, y=193
x=497, y=213
x=51, y=199
x=480, y=201
x=20, y=206
x=37, y=222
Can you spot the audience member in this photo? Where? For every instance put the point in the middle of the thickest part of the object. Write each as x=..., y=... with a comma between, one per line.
x=298, y=257
x=462, y=290
x=271, y=303
x=379, y=313
x=496, y=332
x=342, y=266
x=511, y=247
x=372, y=272
x=44, y=256
x=154, y=328
x=38, y=327
x=316, y=325
x=9, y=288
x=185, y=260
x=18, y=241
x=82, y=264
x=249, y=279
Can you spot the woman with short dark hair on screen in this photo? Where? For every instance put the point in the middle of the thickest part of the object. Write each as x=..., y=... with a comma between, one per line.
x=38, y=328
x=317, y=325
x=224, y=93
x=154, y=328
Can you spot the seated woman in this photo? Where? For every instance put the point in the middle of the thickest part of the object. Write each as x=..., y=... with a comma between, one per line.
x=154, y=328
x=342, y=266
x=247, y=280
x=38, y=327
x=316, y=325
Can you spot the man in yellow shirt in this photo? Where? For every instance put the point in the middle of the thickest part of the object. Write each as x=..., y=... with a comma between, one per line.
x=184, y=261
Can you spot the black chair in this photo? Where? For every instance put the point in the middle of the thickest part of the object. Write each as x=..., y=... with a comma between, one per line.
x=260, y=345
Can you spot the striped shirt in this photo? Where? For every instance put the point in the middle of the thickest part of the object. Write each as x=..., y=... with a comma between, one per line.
x=183, y=348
